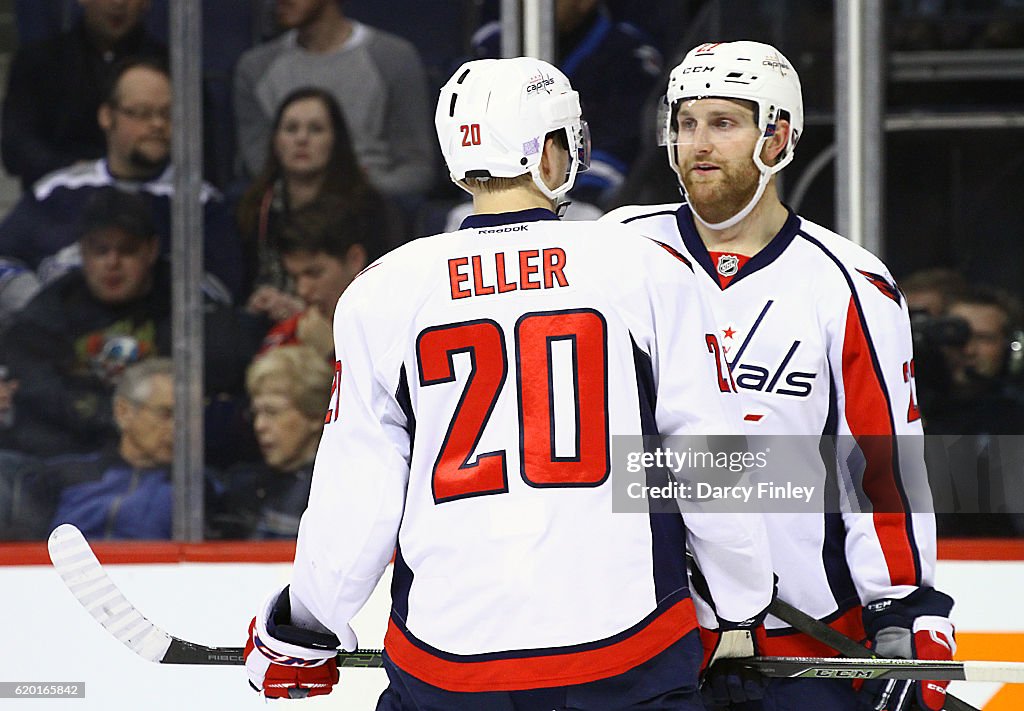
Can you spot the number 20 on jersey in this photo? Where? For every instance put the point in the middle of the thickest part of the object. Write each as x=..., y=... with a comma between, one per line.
x=584, y=332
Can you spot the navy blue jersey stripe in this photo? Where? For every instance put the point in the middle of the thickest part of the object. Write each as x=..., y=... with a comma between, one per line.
x=668, y=533
x=405, y=402
x=833, y=557
x=401, y=582
x=648, y=214
x=480, y=221
x=772, y=251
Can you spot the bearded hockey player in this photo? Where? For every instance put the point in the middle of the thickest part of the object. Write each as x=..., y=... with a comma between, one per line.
x=818, y=339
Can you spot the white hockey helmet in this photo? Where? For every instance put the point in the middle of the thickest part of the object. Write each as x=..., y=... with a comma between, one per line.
x=493, y=116
x=751, y=71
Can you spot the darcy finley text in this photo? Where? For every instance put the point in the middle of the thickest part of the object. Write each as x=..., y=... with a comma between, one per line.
x=703, y=491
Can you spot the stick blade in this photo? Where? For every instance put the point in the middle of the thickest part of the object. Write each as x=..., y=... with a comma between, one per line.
x=95, y=591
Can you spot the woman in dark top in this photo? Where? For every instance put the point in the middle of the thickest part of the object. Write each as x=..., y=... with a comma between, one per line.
x=288, y=387
x=309, y=159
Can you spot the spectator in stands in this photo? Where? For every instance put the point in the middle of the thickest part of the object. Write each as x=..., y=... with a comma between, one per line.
x=56, y=85
x=986, y=363
x=123, y=491
x=136, y=119
x=68, y=346
x=322, y=250
x=18, y=284
x=985, y=401
x=13, y=468
x=8, y=386
x=929, y=293
x=309, y=158
x=377, y=78
x=615, y=68
x=931, y=290
x=288, y=388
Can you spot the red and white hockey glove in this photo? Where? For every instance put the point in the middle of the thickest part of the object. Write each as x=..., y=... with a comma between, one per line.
x=285, y=661
x=916, y=627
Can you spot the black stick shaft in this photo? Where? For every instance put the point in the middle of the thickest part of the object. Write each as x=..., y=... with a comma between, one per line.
x=184, y=652
x=838, y=641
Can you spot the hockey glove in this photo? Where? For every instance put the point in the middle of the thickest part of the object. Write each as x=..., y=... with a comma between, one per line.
x=915, y=627
x=725, y=681
x=285, y=661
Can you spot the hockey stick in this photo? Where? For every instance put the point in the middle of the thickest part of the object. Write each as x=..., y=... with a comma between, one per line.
x=838, y=641
x=879, y=668
x=92, y=587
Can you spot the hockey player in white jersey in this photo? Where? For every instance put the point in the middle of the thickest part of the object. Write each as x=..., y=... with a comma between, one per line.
x=481, y=376
x=818, y=339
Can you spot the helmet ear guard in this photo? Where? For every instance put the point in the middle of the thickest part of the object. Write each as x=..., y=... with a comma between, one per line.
x=494, y=116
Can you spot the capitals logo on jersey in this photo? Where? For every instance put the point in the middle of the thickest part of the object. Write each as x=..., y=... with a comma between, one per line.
x=764, y=370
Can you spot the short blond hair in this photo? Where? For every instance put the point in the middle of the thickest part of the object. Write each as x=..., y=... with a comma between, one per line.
x=298, y=372
x=496, y=185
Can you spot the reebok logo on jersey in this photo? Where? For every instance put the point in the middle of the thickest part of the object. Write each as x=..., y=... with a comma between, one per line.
x=513, y=228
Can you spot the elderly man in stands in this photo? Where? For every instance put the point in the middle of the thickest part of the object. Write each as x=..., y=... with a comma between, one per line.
x=123, y=491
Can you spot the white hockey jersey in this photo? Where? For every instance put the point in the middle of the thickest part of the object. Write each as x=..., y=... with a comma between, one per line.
x=481, y=375
x=817, y=336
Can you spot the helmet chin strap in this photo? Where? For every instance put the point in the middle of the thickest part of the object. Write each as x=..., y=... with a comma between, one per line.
x=557, y=195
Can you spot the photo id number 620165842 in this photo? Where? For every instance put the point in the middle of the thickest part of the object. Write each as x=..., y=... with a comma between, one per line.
x=42, y=690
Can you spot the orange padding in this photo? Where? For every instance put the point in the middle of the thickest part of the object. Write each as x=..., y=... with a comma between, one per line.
x=284, y=551
x=161, y=552
x=995, y=647
x=981, y=549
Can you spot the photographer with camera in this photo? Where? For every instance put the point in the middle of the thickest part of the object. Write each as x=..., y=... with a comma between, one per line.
x=980, y=346
x=985, y=394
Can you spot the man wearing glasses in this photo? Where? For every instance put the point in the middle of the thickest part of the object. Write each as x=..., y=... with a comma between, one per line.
x=136, y=119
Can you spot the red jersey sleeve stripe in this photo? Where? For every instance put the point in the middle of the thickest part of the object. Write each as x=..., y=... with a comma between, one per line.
x=542, y=671
x=870, y=420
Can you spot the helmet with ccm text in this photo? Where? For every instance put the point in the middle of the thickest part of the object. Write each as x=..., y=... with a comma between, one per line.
x=493, y=116
x=750, y=71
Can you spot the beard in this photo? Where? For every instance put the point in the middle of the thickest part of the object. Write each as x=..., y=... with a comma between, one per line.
x=723, y=194
x=148, y=165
